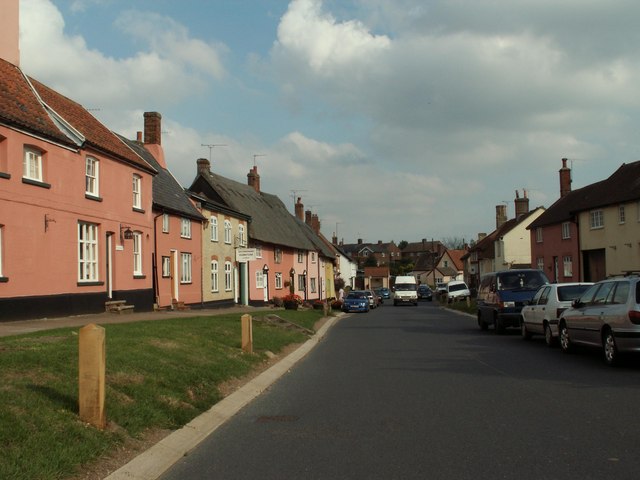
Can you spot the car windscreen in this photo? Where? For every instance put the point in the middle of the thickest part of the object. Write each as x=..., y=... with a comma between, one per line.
x=566, y=293
x=406, y=287
x=519, y=280
x=356, y=295
x=457, y=286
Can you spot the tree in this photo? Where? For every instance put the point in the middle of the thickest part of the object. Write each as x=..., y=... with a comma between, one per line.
x=403, y=244
x=453, y=243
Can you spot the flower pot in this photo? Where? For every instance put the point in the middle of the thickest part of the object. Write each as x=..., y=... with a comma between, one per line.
x=290, y=305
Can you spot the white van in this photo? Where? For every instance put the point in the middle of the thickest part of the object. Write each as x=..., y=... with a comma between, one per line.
x=405, y=290
x=457, y=290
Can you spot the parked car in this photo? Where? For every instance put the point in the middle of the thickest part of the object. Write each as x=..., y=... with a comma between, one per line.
x=356, y=301
x=425, y=293
x=606, y=316
x=383, y=292
x=374, y=301
x=540, y=316
x=457, y=290
x=502, y=295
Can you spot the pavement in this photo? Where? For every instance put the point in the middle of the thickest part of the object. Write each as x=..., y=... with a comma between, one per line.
x=154, y=462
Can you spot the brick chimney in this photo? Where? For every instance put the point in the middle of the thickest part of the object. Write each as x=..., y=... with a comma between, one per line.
x=501, y=215
x=299, y=210
x=522, y=204
x=565, y=179
x=315, y=223
x=307, y=217
x=10, y=32
x=334, y=239
x=253, y=178
x=204, y=166
x=153, y=136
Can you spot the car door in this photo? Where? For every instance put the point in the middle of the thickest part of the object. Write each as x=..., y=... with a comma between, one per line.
x=594, y=313
x=534, y=312
x=575, y=316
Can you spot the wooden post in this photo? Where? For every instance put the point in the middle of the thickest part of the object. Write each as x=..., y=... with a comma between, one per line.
x=247, y=333
x=91, y=378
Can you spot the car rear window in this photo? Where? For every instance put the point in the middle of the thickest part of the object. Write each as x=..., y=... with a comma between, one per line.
x=529, y=280
x=567, y=293
x=457, y=286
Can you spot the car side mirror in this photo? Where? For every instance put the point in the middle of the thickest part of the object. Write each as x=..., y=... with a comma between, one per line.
x=576, y=303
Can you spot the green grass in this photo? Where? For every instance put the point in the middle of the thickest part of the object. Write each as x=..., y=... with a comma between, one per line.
x=159, y=374
x=462, y=306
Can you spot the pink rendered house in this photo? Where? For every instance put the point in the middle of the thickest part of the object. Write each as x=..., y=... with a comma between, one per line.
x=76, y=225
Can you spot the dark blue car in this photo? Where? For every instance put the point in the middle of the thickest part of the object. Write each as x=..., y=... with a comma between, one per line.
x=356, y=301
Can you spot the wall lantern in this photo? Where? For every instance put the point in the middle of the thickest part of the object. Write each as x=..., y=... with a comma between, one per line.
x=126, y=233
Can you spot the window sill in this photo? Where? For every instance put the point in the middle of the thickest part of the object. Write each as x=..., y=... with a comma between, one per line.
x=4, y=279
x=186, y=283
x=88, y=196
x=36, y=183
x=138, y=210
x=90, y=284
x=139, y=277
x=5, y=175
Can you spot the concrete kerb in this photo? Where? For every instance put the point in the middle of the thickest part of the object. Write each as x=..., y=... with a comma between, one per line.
x=152, y=463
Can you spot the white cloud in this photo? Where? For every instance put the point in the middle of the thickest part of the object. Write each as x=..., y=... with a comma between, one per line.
x=171, y=67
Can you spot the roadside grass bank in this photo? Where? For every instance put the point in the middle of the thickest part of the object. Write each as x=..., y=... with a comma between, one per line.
x=159, y=375
x=462, y=306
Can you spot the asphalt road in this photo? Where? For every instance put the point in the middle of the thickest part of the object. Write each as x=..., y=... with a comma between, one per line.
x=422, y=393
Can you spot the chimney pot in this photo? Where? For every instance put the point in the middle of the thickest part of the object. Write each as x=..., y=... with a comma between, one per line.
x=204, y=166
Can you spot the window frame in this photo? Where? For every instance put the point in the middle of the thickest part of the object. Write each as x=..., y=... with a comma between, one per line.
x=566, y=230
x=136, y=188
x=242, y=241
x=213, y=228
x=185, y=227
x=137, y=254
x=166, y=267
x=278, y=280
x=260, y=283
x=539, y=235
x=166, y=222
x=28, y=164
x=228, y=280
x=1, y=251
x=567, y=265
x=92, y=178
x=621, y=215
x=215, y=276
x=88, y=252
x=596, y=219
x=227, y=232
x=186, y=268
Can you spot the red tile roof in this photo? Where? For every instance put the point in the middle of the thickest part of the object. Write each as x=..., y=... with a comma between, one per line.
x=21, y=108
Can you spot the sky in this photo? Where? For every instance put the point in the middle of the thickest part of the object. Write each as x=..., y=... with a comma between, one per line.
x=390, y=119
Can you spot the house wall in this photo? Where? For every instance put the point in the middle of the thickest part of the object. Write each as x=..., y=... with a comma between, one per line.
x=514, y=248
x=40, y=232
x=171, y=244
x=553, y=248
x=619, y=240
x=222, y=252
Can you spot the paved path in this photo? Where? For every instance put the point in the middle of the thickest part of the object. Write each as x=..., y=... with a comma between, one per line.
x=27, y=326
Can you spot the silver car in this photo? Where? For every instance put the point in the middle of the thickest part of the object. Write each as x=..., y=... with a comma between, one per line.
x=540, y=316
x=606, y=316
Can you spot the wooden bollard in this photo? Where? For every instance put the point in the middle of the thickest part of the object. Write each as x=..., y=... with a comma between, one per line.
x=91, y=375
x=247, y=333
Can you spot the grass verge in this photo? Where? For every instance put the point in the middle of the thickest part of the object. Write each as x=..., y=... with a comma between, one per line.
x=159, y=375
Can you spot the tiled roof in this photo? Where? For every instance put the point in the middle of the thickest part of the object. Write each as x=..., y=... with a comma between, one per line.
x=168, y=194
x=622, y=186
x=271, y=222
x=376, y=271
x=30, y=106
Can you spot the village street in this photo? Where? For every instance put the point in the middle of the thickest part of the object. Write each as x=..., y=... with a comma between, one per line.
x=421, y=392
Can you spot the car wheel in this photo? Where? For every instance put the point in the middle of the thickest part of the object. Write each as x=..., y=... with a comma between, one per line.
x=609, y=348
x=548, y=336
x=526, y=335
x=481, y=324
x=565, y=340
